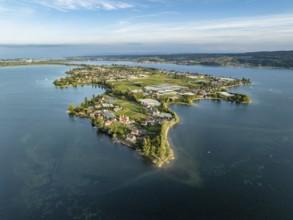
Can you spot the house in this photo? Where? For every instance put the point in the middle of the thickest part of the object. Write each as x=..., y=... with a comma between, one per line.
x=81, y=114
x=131, y=138
x=114, y=120
x=124, y=119
x=117, y=108
x=135, y=131
x=108, y=123
x=144, y=123
x=147, y=122
x=107, y=105
x=108, y=114
x=165, y=116
x=89, y=111
x=154, y=111
x=98, y=106
x=97, y=113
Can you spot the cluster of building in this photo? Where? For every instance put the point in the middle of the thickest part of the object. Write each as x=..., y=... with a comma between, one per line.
x=135, y=135
x=166, y=89
x=155, y=116
x=173, y=91
x=94, y=74
x=17, y=60
x=104, y=111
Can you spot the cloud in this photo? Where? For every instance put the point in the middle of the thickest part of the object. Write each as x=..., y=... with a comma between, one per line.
x=4, y=10
x=271, y=32
x=12, y=12
x=15, y=10
x=274, y=28
x=67, y=5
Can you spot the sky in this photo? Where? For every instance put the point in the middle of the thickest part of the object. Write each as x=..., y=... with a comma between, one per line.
x=149, y=26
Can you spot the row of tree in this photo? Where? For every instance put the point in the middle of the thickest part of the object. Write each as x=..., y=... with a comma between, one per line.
x=238, y=98
x=158, y=147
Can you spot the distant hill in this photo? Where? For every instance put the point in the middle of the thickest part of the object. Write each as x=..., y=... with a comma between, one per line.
x=281, y=59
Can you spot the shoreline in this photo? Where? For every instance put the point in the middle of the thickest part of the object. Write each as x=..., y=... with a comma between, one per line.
x=172, y=156
x=137, y=62
x=133, y=112
x=155, y=162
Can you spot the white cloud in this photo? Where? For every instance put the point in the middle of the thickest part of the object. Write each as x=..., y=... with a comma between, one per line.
x=4, y=10
x=66, y=5
x=261, y=32
x=8, y=11
x=277, y=28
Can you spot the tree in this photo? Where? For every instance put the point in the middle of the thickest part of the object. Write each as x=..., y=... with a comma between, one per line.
x=71, y=108
x=162, y=151
x=86, y=102
x=146, y=146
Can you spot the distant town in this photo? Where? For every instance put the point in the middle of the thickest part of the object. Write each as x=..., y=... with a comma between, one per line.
x=274, y=59
x=134, y=108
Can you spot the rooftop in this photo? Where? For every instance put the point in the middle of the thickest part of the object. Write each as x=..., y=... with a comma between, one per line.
x=151, y=102
x=226, y=94
x=165, y=87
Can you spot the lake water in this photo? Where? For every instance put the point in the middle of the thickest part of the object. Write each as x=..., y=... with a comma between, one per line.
x=232, y=161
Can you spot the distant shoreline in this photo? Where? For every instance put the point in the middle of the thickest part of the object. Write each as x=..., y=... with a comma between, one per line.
x=3, y=65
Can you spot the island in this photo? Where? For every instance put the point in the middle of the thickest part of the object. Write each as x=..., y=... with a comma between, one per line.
x=134, y=110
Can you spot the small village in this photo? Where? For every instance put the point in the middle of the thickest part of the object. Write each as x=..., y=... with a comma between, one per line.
x=134, y=108
x=105, y=113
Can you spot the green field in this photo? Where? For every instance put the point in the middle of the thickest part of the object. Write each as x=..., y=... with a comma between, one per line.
x=130, y=109
x=132, y=84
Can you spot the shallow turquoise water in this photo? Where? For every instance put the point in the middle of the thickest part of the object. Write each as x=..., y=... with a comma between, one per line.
x=232, y=161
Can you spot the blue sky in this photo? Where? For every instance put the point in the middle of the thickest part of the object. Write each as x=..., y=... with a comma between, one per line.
x=133, y=26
